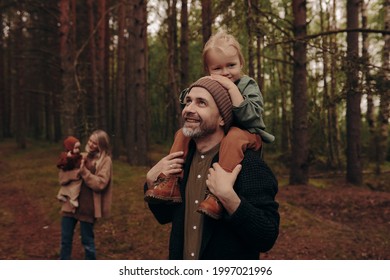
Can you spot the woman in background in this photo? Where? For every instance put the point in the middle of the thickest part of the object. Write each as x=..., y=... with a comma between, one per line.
x=95, y=196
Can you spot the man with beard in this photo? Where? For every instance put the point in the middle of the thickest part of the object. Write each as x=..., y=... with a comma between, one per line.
x=250, y=223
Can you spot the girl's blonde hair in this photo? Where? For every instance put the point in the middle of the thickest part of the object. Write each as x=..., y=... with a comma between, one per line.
x=103, y=143
x=221, y=40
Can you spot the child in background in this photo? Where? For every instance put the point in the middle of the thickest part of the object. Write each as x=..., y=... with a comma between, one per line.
x=70, y=160
x=223, y=60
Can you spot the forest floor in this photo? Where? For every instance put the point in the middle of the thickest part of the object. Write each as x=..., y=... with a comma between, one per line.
x=327, y=219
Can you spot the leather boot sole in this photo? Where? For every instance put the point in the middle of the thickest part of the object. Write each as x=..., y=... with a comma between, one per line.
x=155, y=199
x=208, y=213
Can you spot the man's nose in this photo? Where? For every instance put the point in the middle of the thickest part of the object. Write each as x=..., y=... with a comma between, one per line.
x=189, y=108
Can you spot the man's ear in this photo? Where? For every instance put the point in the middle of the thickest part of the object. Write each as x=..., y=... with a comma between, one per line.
x=221, y=122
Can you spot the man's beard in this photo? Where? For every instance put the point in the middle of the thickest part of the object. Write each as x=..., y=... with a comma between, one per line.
x=200, y=131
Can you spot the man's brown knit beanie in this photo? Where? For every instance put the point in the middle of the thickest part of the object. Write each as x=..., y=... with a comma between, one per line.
x=69, y=143
x=221, y=97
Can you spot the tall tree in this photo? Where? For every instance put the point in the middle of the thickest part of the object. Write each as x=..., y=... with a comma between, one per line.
x=101, y=67
x=299, y=172
x=130, y=94
x=207, y=17
x=92, y=60
x=20, y=85
x=354, y=164
x=285, y=126
x=6, y=75
x=384, y=88
x=184, y=49
x=174, y=110
x=120, y=79
x=376, y=146
x=333, y=128
x=366, y=81
x=259, y=38
x=2, y=83
x=249, y=25
x=284, y=73
x=138, y=142
x=68, y=104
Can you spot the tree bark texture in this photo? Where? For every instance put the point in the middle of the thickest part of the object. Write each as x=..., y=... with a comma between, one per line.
x=206, y=19
x=299, y=172
x=68, y=105
x=354, y=161
x=384, y=106
x=249, y=25
x=121, y=80
x=139, y=144
x=184, y=49
x=100, y=64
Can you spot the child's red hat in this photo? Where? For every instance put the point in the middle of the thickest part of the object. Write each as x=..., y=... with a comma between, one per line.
x=69, y=142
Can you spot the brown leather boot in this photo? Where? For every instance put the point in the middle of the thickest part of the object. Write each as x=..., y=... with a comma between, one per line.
x=166, y=189
x=211, y=207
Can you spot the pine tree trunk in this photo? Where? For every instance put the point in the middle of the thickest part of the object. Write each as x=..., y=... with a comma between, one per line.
x=93, y=65
x=326, y=98
x=174, y=110
x=259, y=47
x=333, y=129
x=184, y=49
x=366, y=87
x=206, y=20
x=259, y=75
x=3, y=119
x=138, y=128
x=101, y=56
x=354, y=165
x=130, y=96
x=299, y=172
x=121, y=74
x=249, y=25
x=20, y=89
x=285, y=126
x=7, y=93
x=384, y=106
x=68, y=105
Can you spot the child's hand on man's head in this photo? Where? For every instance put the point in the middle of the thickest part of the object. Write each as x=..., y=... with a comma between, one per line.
x=231, y=87
x=224, y=81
